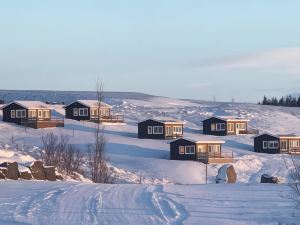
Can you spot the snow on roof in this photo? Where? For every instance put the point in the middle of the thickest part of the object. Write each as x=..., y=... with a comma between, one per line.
x=203, y=139
x=30, y=104
x=165, y=120
x=92, y=103
x=229, y=118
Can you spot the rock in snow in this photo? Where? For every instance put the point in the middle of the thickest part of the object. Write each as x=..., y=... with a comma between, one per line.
x=226, y=174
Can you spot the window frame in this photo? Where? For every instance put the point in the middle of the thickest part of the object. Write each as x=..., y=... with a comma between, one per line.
x=158, y=127
x=23, y=113
x=271, y=144
x=181, y=150
x=220, y=127
x=84, y=110
x=13, y=114
x=177, y=129
x=75, y=112
x=265, y=144
x=149, y=130
x=191, y=147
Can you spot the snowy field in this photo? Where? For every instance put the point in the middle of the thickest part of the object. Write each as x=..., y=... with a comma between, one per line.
x=173, y=192
x=79, y=203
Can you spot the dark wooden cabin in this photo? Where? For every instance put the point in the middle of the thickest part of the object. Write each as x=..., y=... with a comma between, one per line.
x=89, y=110
x=276, y=144
x=160, y=128
x=34, y=114
x=221, y=126
x=205, y=150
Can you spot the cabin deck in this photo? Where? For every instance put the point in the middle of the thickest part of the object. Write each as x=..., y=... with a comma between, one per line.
x=109, y=119
x=37, y=123
x=215, y=158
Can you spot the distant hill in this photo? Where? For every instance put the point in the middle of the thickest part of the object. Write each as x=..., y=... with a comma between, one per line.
x=65, y=96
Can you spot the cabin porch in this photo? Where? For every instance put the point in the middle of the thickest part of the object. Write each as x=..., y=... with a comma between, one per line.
x=38, y=123
x=109, y=119
x=209, y=158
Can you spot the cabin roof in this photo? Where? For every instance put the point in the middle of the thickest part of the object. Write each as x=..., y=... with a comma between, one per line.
x=281, y=135
x=229, y=118
x=29, y=105
x=91, y=104
x=165, y=120
x=203, y=140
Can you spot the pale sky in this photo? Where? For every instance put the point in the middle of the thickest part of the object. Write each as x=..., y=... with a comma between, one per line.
x=183, y=49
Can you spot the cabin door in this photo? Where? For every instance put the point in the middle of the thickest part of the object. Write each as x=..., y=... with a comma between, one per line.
x=201, y=151
x=283, y=145
x=40, y=114
x=169, y=131
x=237, y=131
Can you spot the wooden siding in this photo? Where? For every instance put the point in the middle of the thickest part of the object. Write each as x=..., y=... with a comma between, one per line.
x=214, y=120
x=207, y=127
x=258, y=144
x=143, y=130
x=174, y=150
x=76, y=105
x=204, y=157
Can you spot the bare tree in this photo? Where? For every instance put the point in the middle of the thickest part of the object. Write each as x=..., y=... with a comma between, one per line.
x=57, y=151
x=296, y=180
x=98, y=163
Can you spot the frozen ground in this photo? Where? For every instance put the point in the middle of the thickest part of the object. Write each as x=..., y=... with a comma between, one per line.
x=157, y=201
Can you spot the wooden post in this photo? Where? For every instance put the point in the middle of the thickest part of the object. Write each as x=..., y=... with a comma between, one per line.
x=206, y=173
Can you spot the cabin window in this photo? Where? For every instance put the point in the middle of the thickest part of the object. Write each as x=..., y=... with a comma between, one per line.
x=13, y=114
x=213, y=127
x=94, y=112
x=104, y=112
x=75, y=112
x=213, y=148
x=241, y=126
x=181, y=150
x=294, y=144
x=32, y=113
x=46, y=114
x=177, y=129
x=40, y=113
x=273, y=144
x=230, y=127
x=150, y=130
x=21, y=113
x=157, y=130
x=190, y=149
x=220, y=126
x=83, y=112
x=265, y=144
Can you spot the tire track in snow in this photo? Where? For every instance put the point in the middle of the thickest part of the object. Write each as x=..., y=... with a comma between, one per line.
x=172, y=212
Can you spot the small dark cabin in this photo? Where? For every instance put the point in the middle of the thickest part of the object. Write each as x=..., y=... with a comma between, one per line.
x=34, y=114
x=205, y=150
x=276, y=144
x=89, y=110
x=221, y=126
x=160, y=128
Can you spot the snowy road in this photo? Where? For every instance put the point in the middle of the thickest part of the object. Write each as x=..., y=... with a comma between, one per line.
x=78, y=203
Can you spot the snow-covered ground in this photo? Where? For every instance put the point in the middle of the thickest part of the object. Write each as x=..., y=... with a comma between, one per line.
x=79, y=203
x=158, y=200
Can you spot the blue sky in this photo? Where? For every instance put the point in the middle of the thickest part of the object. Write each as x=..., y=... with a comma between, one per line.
x=183, y=49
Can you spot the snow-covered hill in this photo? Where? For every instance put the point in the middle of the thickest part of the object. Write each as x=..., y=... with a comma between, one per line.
x=131, y=158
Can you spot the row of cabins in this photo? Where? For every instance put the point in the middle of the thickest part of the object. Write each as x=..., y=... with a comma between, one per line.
x=36, y=114
x=209, y=150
